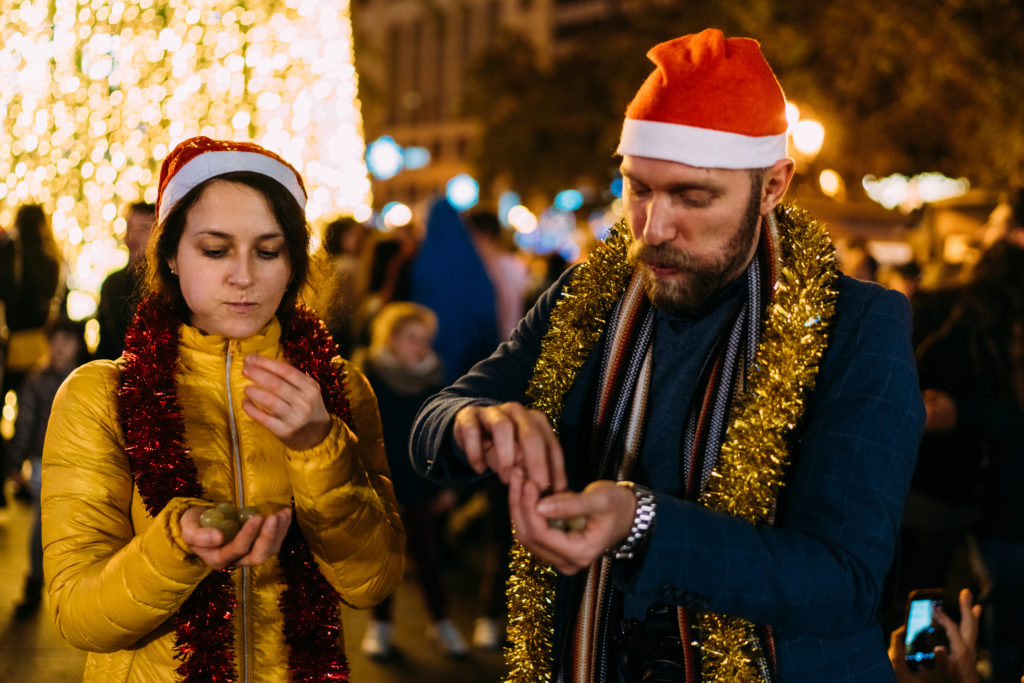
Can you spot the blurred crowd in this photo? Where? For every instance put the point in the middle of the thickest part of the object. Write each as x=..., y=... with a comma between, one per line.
x=417, y=306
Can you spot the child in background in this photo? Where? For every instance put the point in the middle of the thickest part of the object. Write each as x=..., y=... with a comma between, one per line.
x=66, y=344
x=403, y=371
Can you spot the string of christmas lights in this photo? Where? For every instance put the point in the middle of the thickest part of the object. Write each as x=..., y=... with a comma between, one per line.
x=95, y=93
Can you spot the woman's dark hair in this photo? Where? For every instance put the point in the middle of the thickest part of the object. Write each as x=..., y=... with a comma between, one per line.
x=163, y=245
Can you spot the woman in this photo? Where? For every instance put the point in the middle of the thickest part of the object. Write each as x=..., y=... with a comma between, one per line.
x=30, y=295
x=226, y=392
x=30, y=289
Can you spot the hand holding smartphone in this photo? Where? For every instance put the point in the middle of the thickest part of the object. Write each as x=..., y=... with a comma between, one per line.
x=924, y=633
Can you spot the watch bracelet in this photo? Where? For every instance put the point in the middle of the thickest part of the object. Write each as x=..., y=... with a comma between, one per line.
x=643, y=520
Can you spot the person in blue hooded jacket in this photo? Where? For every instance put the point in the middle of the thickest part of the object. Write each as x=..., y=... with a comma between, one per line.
x=449, y=278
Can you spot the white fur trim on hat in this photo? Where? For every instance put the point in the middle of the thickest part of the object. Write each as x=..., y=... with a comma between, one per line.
x=701, y=147
x=215, y=163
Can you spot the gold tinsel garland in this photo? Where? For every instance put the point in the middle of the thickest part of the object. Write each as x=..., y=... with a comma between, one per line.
x=577, y=321
x=753, y=460
x=754, y=456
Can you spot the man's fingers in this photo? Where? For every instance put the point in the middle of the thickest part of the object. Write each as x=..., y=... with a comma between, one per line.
x=522, y=497
x=556, y=464
x=500, y=430
x=509, y=436
x=562, y=505
x=467, y=437
x=515, y=507
x=531, y=428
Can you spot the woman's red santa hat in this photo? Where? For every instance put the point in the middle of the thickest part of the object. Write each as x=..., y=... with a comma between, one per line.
x=198, y=159
x=711, y=102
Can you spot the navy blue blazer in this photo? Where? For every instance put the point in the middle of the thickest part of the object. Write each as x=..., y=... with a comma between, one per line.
x=816, y=575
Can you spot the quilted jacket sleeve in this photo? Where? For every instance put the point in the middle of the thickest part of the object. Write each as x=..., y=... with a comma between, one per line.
x=345, y=502
x=108, y=586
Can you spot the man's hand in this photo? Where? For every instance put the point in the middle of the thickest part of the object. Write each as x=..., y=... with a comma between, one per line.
x=259, y=539
x=286, y=401
x=507, y=438
x=958, y=664
x=607, y=507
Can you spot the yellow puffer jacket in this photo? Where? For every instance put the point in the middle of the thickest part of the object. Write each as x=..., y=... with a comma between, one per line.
x=115, y=574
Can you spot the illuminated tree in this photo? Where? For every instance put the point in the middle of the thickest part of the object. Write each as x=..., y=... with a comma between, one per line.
x=95, y=93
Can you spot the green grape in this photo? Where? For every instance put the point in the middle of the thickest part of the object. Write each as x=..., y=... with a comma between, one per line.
x=211, y=518
x=577, y=523
x=245, y=513
x=228, y=510
x=558, y=523
x=228, y=527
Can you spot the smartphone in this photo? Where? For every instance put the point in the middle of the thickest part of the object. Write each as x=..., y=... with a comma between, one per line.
x=924, y=633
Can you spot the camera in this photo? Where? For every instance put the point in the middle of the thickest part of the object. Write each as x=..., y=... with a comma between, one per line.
x=924, y=634
x=650, y=651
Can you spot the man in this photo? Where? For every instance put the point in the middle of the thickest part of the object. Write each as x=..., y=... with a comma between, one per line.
x=117, y=296
x=760, y=413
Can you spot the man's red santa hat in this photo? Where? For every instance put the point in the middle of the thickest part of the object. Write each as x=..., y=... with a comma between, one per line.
x=711, y=102
x=198, y=159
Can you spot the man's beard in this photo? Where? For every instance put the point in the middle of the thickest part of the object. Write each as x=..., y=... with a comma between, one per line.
x=694, y=283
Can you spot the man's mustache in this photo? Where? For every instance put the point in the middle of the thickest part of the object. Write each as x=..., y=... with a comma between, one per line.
x=662, y=255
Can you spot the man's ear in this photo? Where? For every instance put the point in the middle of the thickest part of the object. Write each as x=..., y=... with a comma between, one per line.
x=776, y=181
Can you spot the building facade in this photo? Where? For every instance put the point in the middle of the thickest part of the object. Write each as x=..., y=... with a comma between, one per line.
x=413, y=56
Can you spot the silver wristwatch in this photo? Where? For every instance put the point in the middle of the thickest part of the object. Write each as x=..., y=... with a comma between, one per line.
x=643, y=520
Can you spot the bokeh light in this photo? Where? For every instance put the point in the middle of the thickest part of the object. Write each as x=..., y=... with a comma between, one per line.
x=462, y=192
x=396, y=214
x=830, y=182
x=808, y=136
x=384, y=157
x=522, y=219
x=568, y=200
x=506, y=202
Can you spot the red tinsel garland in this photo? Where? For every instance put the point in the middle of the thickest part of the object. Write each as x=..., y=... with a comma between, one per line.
x=154, y=431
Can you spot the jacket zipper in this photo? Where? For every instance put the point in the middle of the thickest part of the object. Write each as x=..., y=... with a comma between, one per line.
x=244, y=659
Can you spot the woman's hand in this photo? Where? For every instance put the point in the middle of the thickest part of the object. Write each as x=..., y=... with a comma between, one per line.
x=259, y=539
x=286, y=401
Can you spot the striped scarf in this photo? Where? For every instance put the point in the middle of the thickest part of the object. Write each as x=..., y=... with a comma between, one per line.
x=618, y=425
